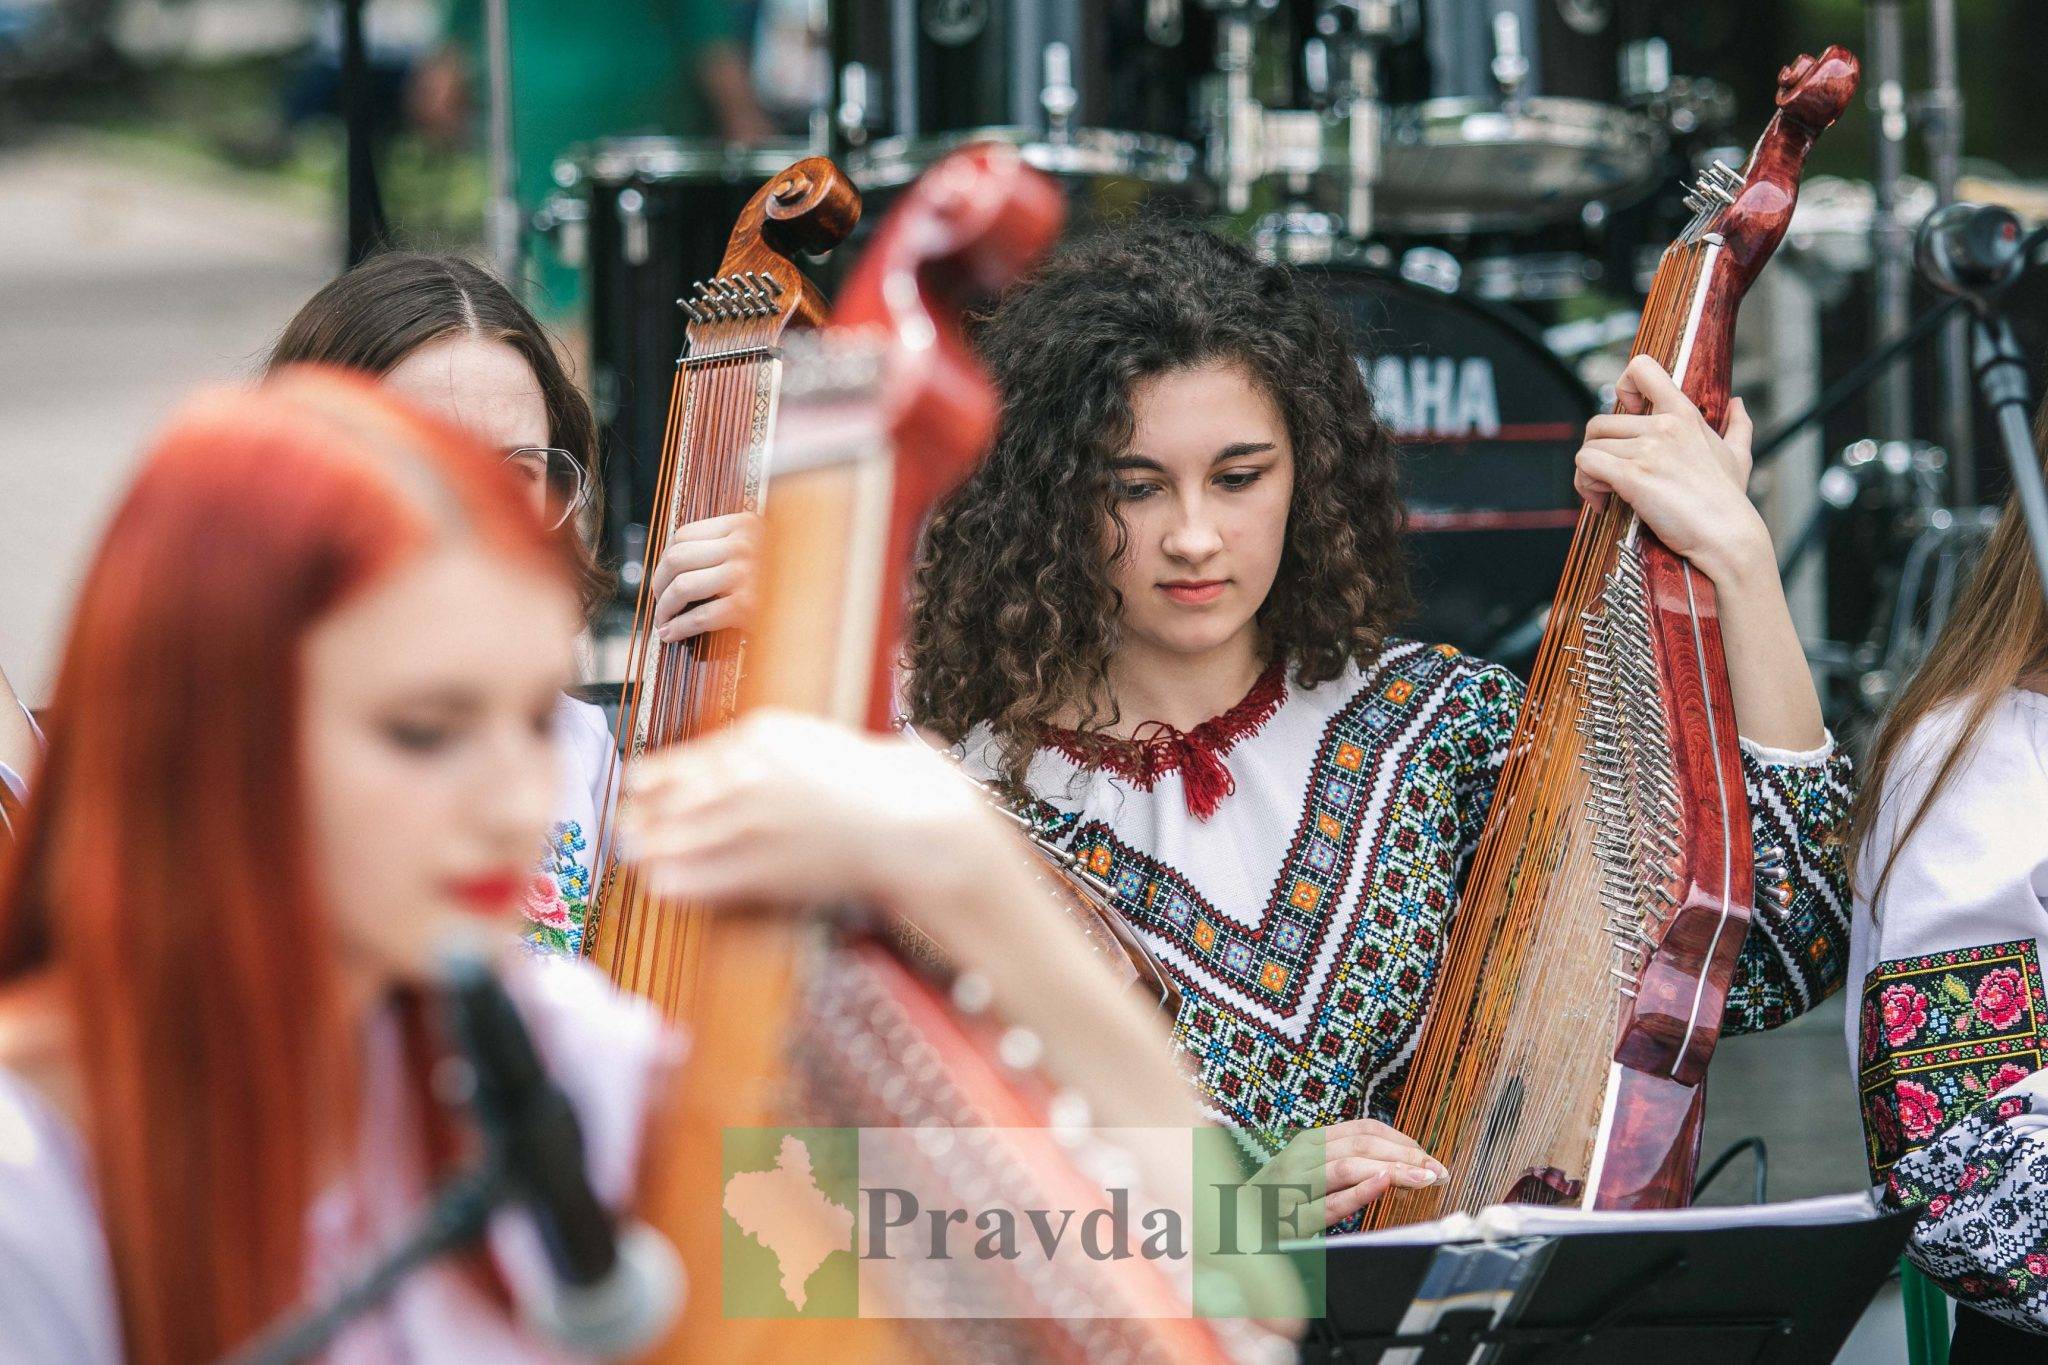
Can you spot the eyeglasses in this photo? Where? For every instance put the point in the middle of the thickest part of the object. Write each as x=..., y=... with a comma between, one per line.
x=556, y=480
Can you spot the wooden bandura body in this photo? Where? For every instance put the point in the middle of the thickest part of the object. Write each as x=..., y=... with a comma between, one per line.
x=1582, y=989
x=823, y=1024
x=714, y=462
x=840, y=522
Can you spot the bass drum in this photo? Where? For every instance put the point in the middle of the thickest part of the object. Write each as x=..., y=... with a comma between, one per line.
x=653, y=214
x=1488, y=421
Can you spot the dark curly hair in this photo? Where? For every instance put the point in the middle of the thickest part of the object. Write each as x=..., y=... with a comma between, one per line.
x=1013, y=618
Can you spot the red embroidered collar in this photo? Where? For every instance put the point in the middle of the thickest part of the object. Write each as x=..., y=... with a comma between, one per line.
x=1156, y=748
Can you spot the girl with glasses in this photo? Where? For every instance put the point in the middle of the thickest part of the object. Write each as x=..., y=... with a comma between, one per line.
x=446, y=335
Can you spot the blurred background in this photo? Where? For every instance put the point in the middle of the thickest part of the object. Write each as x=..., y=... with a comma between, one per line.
x=1485, y=186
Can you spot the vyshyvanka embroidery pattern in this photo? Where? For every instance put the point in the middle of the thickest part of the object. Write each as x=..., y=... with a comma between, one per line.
x=1302, y=1010
x=1982, y=1188
x=1404, y=746
x=1941, y=1034
x=558, y=894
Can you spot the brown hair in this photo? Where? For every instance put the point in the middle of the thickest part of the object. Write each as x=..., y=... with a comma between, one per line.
x=1996, y=640
x=377, y=314
x=1013, y=618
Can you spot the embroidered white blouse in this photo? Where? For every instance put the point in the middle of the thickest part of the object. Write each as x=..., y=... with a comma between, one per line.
x=1948, y=1041
x=558, y=898
x=1305, y=915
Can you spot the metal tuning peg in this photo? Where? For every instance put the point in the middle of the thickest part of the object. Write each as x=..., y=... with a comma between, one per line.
x=1709, y=189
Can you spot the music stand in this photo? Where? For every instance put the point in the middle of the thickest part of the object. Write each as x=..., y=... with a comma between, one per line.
x=1769, y=1295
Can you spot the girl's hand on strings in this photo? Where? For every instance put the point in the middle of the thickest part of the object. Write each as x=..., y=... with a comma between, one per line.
x=1685, y=480
x=708, y=577
x=784, y=811
x=1324, y=1175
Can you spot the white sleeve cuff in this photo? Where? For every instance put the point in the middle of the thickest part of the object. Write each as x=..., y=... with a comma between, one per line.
x=1790, y=758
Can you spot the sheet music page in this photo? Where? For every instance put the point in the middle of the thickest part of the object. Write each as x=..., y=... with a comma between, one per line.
x=1505, y=1221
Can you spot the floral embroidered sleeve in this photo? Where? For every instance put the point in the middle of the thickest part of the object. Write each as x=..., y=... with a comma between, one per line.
x=1797, y=952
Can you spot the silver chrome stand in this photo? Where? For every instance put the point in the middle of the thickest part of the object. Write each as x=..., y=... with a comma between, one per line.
x=502, y=225
x=1891, y=247
x=1941, y=117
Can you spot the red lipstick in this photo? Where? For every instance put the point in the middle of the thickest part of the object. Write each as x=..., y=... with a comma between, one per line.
x=487, y=894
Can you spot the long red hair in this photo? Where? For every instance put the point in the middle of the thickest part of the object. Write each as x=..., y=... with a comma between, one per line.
x=162, y=877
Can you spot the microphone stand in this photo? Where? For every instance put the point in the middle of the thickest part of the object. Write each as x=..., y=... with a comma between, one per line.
x=2002, y=365
x=2001, y=372
x=456, y=1218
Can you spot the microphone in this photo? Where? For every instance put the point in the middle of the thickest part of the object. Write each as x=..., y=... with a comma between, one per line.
x=1970, y=250
x=613, y=1291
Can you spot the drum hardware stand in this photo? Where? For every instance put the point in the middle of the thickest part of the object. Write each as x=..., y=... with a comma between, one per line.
x=1235, y=117
x=501, y=210
x=1248, y=142
x=1510, y=67
x=1941, y=117
x=1058, y=96
x=1891, y=247
x=1374, y=25
x=1990, y=258
x=1940, y=111
x=1938, y=543
x=851, y=113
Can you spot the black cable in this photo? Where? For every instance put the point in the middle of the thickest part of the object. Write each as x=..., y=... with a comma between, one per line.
x=1763, y=1165
x=1861, y=377
x=1867, y=370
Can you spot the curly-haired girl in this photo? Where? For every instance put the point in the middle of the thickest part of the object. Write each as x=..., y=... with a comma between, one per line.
x=1159, y=619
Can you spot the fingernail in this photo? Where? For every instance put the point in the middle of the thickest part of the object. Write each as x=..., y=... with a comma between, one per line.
x=1416, y=1175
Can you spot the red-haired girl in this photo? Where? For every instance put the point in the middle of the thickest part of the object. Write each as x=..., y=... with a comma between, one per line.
x=302, y=737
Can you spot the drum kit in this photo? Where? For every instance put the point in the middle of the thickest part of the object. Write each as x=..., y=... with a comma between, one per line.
x=1445, y=165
